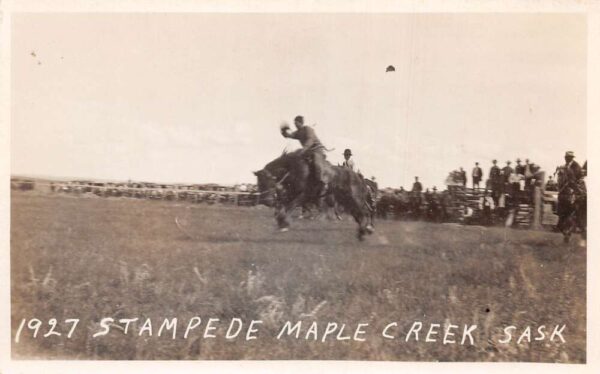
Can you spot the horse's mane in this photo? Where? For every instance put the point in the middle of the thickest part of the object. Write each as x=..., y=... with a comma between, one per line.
x=284, y=159
x=294, y=153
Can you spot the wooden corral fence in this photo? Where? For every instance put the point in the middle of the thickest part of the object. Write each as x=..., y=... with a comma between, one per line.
x=204, y=193
x=528, y=209
x=531, y=209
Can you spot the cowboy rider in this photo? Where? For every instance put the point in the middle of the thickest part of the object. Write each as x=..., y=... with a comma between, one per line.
x=312, y=146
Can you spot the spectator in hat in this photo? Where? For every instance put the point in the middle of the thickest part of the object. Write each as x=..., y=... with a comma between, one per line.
x=417, y=186
x=551, y=184
x=348, y=161
x=495, y=181
x=415, y=195
x=573, y=179
x=506, y=172
x=574, y=172
x=530, y=170
x=477, y=175
x=519, y=169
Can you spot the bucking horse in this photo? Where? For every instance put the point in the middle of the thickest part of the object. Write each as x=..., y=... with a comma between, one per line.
x=286, y=183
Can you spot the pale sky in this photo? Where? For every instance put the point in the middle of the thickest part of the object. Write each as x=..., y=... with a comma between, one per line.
x=199, y=98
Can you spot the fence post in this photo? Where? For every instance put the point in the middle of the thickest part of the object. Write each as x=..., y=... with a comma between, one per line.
x=537, y=208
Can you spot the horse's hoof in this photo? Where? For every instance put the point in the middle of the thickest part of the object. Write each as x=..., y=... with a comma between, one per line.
x=566, y=239
x=360, y=235
x=370, y=229
x=284, y=229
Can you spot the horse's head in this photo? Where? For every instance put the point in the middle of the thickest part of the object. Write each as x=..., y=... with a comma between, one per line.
x=267, y=187
x=273, y=181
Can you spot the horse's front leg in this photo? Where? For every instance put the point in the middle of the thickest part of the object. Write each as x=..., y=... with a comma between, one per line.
x=336, y=211
x=362, y=218
x=285, y=210
x=332, y=206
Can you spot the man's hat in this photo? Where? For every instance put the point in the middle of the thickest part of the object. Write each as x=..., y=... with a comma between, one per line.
x=494, y=161
x=518, y=160
x=508, y=162
x=347, y=152
x=569, y=154
x=299, y=119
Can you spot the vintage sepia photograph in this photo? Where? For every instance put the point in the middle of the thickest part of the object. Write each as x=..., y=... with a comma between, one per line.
x=406, y=187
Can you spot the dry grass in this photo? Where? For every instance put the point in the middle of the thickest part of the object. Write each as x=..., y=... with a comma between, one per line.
x=94, y=258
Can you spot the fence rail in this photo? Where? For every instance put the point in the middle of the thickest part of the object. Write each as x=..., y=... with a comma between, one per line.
x=189, y=193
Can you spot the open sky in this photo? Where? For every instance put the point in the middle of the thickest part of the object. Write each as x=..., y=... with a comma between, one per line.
x=200, y=97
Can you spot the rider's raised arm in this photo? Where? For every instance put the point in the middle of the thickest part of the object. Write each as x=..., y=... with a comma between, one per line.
x=285, y=131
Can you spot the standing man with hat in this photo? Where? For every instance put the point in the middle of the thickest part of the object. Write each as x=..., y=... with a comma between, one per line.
x=507, y=171
x=477, y=175
x=495, y=181
x=574, y=172
x=572, y=180
x=520, y=169
x=348, y=161
x=415, y=197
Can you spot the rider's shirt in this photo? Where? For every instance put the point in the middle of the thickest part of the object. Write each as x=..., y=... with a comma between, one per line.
x=307, y=137
x=313, y=147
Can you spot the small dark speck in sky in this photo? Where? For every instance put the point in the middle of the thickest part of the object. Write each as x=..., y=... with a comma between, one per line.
x=33, y=54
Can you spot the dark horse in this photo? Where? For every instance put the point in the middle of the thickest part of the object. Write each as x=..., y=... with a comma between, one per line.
x=572, y=206
x=286, y=183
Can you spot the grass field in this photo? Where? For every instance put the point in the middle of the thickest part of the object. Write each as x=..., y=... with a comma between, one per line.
x=90, y=258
